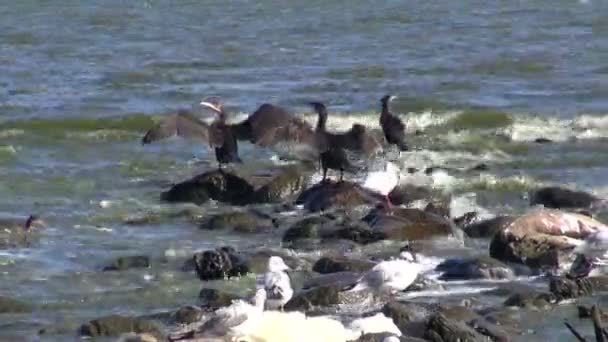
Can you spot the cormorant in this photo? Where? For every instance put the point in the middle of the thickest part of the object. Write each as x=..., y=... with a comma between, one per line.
x=391, y=125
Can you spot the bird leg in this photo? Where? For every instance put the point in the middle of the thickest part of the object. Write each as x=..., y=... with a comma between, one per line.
x=324, y=174
x=341, y=175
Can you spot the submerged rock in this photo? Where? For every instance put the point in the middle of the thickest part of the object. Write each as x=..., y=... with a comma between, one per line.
x=408, y=224
x=10, y=305
x=115, y=325
x=224, y=186
x=474, y=268
x=486, y=228
x=242, y=222
x=532, y=300
x=308, y=228
x=329, y=194
x=219, y=264
x=340, y=264
x=408, y=193
x=213, y=299
x=542, y=237
x=128, y=262
x=558, y=198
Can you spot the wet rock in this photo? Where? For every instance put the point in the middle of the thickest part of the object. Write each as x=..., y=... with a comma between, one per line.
x=353, y=231
x=282, y=184
x=324, y=296
x=439, y=209
x=556, y=197
x=113, y=326
x=531, y=300
x=409, y=224
x=258, y=261
x=329, y=194
x=308, y=228
x=10, y=305
x=585, y=312
x=474, y=268
x=480, y=167
x=380, y=337
x=410, y=317
x=213, y=299
x=542, y=140
x=408, y=193
x=341, y=280
x=228, y=187
x=340, y=264
x=541, y=238
x=219, y=264
x=132, y=337
x=187, y=314
x=242, y=222
x=128, y=262
x=461, y=324
x=486, y=228
x=565, y=288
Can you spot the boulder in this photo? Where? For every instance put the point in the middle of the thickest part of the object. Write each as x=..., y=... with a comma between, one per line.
x=128, y=262
x=559, y=198
x=467, y=219
x=565, y=288
x=242, y=222
x=342, y=280
x=187, y=314
x=324, y=296
x=305, y=229
x=219, y=264
x=486, y=228
x=329, y=194
x=10, y=305
x=542, y=238
x=357, y=232
x=532, y=300
x=474, y=268
x=340, y=264
x=115, y=325
x=410, y=317
x=458, y=323
x=408, y=193
x=408, y=224
x=228, y=187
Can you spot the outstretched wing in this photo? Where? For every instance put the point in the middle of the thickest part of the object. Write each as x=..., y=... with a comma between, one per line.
x=186, y=125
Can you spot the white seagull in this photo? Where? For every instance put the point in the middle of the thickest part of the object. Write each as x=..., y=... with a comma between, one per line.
x=383, y=182
x=277, y=284
x=237, y=319
x=592, y=252
x=390, y=276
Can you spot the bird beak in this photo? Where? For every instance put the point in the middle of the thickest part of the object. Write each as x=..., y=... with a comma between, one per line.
x=211, y=106
x=392, y=98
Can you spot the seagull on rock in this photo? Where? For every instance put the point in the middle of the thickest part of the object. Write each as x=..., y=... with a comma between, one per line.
x=276, y=283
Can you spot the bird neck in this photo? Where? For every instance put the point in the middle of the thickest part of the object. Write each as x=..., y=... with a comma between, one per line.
x=322, y=120
x=385, y=108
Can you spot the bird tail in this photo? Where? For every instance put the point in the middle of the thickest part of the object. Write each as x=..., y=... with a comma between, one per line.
x=360, y=286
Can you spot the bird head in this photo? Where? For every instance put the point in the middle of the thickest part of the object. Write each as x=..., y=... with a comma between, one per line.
x=276, y=264
x=318, y=107
x=387, y=98
x=214, y=103
x=407, y=253
x=33, y=221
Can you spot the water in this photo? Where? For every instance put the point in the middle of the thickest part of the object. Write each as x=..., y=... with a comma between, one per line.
x=80, y=83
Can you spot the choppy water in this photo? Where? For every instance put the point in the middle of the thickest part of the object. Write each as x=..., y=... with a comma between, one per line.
x=80, y=83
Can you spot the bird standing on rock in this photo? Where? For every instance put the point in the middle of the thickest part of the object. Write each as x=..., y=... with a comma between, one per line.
x=393, y=128
x=277, y=284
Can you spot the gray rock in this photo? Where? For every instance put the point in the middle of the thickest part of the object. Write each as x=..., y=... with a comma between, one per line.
x=474, y=268
x=341, y=264
x=115, y=325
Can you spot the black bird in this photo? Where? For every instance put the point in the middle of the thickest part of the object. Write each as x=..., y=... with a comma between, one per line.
x=393, y=128
x=218, y=134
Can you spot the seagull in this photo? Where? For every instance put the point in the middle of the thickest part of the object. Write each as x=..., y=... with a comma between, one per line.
x=383, y=182
x=236, y=319
x=277, y=284
x=390, y=276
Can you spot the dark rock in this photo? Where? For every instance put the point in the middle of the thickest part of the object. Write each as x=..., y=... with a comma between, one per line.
x=9, y=305
x=556, y=197
x=219, y=264
x=258, y=261
x=187, y=314
x=353, y=231
x=341, y=264
x=409, y=224
x=128, y=262
x=329, y=194
x=341, y=280
x=542, y=140
x=308, y=228
x=440, y=328
x=113, y=326
x=242, y=222
x=480, y=167
x=531, y=300
x=379, y=337
x=487, y=228
x=474, y=268
x=565, y=288
x=458, y=323
x=439, y=209
x=213, y=299
x=324, y=296
x=408, y=193
x=409, y=317
x=466, y=220
x=227, y=187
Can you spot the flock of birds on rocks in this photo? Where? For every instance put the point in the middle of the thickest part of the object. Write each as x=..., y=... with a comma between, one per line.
x=271, y=126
